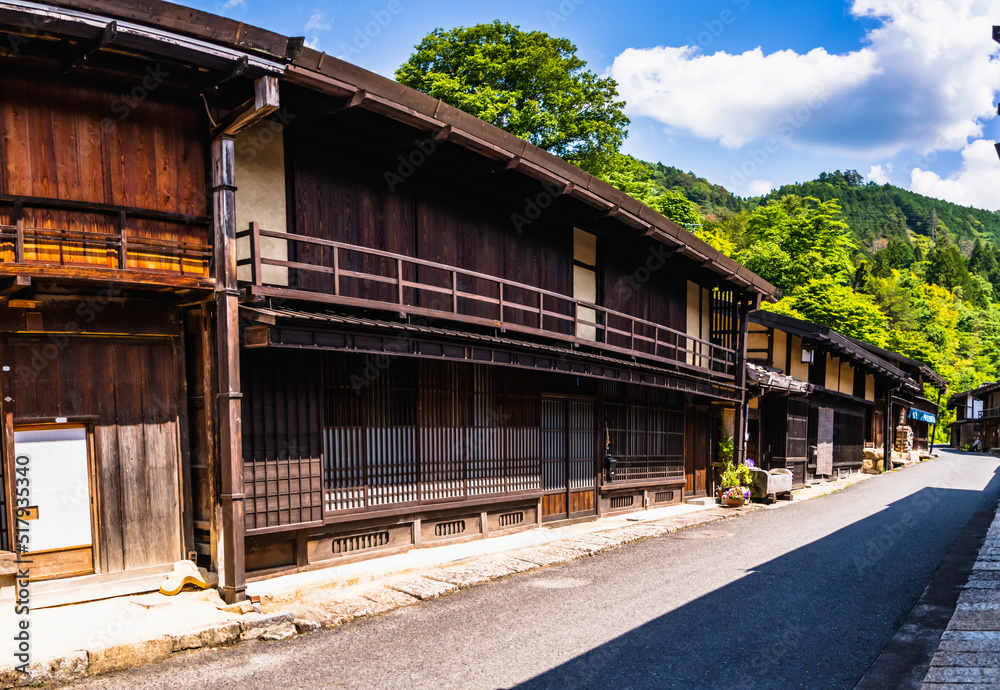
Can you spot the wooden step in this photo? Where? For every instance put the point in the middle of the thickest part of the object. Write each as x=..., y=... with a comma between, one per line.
x=76, y=590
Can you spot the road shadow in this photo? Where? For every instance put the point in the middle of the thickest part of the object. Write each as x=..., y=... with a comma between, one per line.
x=816, y=617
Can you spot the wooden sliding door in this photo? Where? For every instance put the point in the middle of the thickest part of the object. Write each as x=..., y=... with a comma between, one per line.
x=568, y=458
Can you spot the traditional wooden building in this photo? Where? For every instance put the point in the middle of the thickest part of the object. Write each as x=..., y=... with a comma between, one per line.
x=271, y=311
x=967, y=428
x=915, y=416
x=816, y=398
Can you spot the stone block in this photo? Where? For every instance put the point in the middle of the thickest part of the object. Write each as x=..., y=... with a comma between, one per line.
x=215, y=636
x=256, y=626
x=422, y=588
x=127, y=655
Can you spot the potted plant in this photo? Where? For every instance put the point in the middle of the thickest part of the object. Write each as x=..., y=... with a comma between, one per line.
x=736, y=496
x=724, y=461
x=737, y=480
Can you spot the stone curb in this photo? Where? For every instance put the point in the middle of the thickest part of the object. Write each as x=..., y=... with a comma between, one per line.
x=288, y=615
x=83, y=664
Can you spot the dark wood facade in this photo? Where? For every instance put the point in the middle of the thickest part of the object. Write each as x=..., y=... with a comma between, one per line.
x=296, y=314
x=827, y=403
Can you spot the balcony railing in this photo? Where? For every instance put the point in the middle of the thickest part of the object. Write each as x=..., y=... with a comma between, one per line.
x=72, y=237
x=332, y=272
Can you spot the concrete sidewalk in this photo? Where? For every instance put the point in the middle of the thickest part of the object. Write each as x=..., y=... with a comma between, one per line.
x=72, y=642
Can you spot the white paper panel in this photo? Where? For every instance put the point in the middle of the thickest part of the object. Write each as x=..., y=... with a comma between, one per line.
x=60, y=487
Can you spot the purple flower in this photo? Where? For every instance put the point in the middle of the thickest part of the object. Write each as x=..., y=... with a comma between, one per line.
x=750, y=463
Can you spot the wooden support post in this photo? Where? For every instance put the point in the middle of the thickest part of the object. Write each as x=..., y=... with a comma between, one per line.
x=231, y=497
x=746, y=305
x=256, y=278
x=934, y=429
x=890, y=427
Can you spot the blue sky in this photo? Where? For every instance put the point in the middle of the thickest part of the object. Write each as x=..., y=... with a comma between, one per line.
x=747, y=93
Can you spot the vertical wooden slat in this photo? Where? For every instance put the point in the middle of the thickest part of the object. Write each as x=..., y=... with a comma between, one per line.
x=19, y=240
x=122, y=241
x=256, y=276
x=336, y=271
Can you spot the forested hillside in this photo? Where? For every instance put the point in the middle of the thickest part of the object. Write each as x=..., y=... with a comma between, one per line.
x=916, y=275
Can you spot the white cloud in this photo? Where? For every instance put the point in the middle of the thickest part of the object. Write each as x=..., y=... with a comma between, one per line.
x=880, y=175
x=317, y=22
x=976, y=184
x=232, y=4
x=925, y=81
x=733, y=98
x=759, y=187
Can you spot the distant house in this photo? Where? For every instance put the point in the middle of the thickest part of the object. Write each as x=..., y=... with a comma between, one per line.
x=816, y=398
x=910, y=408
x=977, y=417
x=967, y=428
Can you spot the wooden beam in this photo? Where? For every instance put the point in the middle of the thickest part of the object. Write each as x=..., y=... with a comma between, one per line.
x=327, y=109
x=264, y=102
x=442, y=134
x=20, y=282
x=236, y=68
x=87, y=48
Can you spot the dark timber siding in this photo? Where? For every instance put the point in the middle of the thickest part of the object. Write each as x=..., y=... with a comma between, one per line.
x=131, y=390
x=73, y=138
x=334, y=435
x=461, y=219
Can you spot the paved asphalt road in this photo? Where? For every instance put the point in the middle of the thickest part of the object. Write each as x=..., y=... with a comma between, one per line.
x=804, y=596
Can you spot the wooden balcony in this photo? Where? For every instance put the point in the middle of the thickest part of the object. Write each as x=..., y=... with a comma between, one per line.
x=329, y=272
x=60, y=239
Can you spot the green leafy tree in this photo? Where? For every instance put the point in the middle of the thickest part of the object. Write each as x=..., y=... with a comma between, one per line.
x=826, y=302
x=767, y=259
x=945, y=265
x=632, y=176
x=805, y=230
x=526, y=82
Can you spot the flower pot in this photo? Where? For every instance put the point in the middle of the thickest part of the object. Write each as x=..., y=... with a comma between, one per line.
x=735, y=502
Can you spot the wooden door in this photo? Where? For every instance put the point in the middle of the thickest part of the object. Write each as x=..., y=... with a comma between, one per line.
x=126, y=392
x=568, y=458
x=697, y=428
